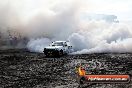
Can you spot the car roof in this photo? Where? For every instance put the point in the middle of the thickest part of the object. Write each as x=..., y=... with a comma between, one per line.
x=60, y=41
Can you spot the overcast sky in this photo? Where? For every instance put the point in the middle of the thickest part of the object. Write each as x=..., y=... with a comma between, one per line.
x=121, y=8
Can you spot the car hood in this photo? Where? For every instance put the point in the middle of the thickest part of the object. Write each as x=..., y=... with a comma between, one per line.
x=54, y=47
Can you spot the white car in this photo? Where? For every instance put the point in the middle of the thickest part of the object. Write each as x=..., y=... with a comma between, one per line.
x=58, y=48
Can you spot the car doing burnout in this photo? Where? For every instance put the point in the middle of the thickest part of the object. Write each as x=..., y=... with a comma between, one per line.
x=58, y=48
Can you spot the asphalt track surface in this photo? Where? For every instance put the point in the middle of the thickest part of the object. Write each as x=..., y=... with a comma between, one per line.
x=22, y=69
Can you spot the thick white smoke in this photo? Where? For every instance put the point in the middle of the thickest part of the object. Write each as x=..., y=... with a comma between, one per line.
x=37, y=45
x=103, y=37
x=97, y=37
x=43, y=21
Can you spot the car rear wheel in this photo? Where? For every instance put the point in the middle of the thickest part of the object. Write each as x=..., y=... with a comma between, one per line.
x=60, y=52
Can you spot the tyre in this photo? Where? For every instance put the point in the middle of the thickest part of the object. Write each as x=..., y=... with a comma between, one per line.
x=60, y=52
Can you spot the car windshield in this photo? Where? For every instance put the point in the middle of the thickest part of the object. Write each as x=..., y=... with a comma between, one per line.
x=57, y=44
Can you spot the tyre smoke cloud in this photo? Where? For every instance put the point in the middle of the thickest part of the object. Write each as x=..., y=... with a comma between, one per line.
x=43, y=21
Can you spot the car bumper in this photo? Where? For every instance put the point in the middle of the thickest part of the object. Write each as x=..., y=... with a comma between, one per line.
x=50, y=52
